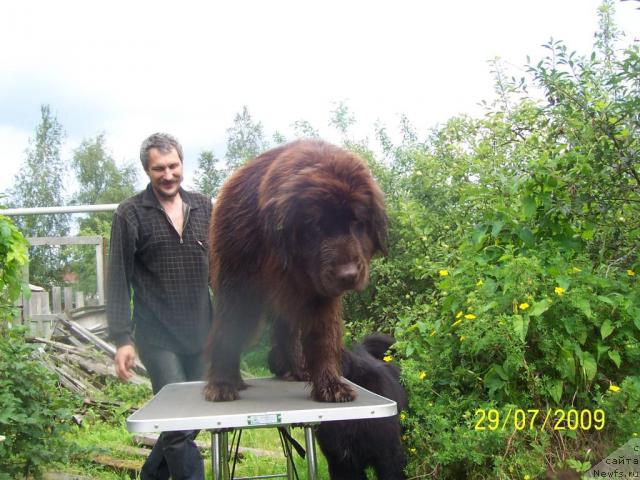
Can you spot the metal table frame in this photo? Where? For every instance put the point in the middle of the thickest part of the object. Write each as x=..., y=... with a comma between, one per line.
x=267, y=402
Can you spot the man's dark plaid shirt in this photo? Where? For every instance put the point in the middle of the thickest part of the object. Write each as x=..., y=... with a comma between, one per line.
x=168, y=274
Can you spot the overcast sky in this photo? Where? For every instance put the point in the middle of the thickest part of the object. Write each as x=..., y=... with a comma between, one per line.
x=130, y=68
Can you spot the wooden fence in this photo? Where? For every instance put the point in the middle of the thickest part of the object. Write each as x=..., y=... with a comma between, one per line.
x=41, y=311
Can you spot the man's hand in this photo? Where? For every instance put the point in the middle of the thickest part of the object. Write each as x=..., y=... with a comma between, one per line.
x=125, y=360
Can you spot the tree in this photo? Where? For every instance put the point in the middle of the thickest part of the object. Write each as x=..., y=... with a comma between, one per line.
x=208, y=176
x=40, y=184
x=100, y=181
x=245, y=140
x=278, y=138
x=342, y=118
x=302, y=128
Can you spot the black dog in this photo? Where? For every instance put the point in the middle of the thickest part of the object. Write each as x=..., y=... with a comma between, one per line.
x=351, y=446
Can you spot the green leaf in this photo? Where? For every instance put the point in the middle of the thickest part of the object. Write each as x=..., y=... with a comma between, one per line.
x=493, y=380
x=500, y=371
x=488, y=306
x=5, y=231
x=602, y=348
x=529, y=206
x=478, y=236
x=615, y=358
x=540, y=307
x=566, y=365
x=496, y=228
x=555, y=390
x=606, y=300
x=587, y=235
x=521, y=326
x=588, y=364
x=606, y=329
x=584, y=306
x=526, y=236
x=564, y=282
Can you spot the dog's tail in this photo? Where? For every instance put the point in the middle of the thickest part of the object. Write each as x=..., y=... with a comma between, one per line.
x=378, y=344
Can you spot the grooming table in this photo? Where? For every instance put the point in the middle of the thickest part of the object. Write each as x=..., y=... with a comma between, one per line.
x=267, y=402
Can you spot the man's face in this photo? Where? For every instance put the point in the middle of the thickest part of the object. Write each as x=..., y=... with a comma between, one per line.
x=165, y=172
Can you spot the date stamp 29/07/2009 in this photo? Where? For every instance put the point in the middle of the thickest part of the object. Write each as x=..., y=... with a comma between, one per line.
x=536, y=419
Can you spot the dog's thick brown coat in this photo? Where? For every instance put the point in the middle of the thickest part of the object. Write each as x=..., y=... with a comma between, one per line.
x=291, y=231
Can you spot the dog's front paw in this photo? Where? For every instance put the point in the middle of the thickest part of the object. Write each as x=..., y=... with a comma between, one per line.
x=333, y=391
x=220, y=392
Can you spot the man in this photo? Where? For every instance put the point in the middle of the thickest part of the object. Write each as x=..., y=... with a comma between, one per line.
x=158, y=254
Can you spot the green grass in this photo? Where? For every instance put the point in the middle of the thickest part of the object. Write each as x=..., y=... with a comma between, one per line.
x=267, y=439
x=114, y=440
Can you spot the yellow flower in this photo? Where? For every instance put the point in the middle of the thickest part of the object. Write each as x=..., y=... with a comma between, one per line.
x=459, y=314
x=479, y=283
x=403, y=416
x=462, y=338
x=559, y=291
x=523, y=306
x=387, y=358
x=614, y=388
x=526, y=477
x=456, y=323
x=443, y=273
x=631, y=273
x=412, y=450
x=422, y=375
x=469, y=316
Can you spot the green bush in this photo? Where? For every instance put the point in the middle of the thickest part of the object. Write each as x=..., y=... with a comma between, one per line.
x=33, y=409
x=13, y=255
x=511, y=280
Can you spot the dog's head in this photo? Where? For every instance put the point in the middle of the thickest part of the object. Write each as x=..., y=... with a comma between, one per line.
x=323, y=214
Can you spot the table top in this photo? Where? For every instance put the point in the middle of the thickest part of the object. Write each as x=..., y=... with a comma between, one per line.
x=266, y=402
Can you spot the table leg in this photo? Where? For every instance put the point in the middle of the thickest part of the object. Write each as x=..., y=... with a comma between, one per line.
x=289, y=455
x=310, y=443
x=220, y=455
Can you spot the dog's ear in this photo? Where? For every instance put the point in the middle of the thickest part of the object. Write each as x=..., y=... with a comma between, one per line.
x=377, y=344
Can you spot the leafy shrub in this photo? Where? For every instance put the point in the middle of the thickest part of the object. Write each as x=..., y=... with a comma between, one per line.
x=13, y=255
x=33, y=410
x=511, y=281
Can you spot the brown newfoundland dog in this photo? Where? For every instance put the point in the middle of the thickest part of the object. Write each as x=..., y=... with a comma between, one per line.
x=291, y=232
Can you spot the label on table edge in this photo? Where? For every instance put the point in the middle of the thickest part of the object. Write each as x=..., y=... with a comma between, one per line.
x=266, y=419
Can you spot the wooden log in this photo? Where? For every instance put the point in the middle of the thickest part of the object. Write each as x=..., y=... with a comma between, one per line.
x=88, y=336
x=66, y=382
x=130, y=466
x=98, y=342
x=62, y=347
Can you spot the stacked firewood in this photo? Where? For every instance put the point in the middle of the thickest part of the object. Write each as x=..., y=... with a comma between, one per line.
x=82, y=359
